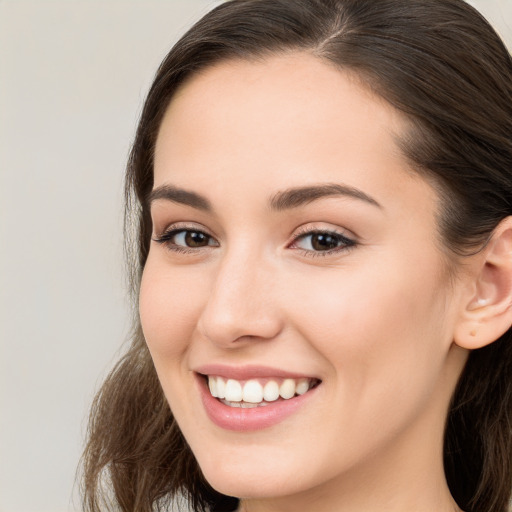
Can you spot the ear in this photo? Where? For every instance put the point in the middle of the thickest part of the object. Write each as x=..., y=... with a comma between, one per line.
x=488, y=313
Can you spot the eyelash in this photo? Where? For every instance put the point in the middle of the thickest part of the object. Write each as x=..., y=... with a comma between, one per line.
x=347, y=243
x=168, y=235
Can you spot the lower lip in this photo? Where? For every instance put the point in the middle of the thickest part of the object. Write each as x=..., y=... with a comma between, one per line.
x=254, y=418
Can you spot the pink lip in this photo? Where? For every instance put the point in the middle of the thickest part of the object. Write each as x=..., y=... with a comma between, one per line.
x=245, y=420
x=247, y=372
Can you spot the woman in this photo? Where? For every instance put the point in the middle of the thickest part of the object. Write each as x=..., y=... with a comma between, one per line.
x=320, y=196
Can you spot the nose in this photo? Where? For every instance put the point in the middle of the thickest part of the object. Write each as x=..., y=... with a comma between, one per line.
x=242, y=305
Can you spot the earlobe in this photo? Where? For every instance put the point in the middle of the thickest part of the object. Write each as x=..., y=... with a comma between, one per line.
x=487, y=314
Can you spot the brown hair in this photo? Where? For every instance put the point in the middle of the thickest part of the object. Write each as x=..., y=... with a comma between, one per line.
x=440, y=63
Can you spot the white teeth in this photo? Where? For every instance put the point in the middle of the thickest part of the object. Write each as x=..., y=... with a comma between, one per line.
x=287, y=388
x=271, y=391
x=233, y=391
x=252, y=393
x=246, y=405
x=212, y=384
x=302, y=386
x=221, y=387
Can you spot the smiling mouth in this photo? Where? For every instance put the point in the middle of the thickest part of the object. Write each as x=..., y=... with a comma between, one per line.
x=257, y=392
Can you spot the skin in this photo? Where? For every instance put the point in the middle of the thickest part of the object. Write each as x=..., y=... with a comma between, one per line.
x=374, y=321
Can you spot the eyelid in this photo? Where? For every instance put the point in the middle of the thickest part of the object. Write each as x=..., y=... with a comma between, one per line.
x=312, y=228
x=183, y=226
x=166, y=235
x=349, y=240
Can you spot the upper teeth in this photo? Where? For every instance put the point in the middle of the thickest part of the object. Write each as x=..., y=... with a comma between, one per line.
x=253, y=391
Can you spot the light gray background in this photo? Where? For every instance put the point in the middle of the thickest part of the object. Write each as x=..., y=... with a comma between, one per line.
x=73, y=75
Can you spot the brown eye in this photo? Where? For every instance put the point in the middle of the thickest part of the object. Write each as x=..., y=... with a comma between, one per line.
x=323, y=242
x=182, y=239
x=196, y=239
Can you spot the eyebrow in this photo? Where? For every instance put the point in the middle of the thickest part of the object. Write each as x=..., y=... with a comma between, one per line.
x=283, y=200
x=181, y=196
x=299, y=196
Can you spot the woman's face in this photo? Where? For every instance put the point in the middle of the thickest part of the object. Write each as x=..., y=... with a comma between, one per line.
x=295, y=249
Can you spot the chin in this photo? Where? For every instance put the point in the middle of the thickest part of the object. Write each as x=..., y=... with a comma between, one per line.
x=252, y=485
x=261, y=476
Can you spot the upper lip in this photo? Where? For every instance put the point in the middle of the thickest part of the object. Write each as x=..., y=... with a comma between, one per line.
x=247, y=372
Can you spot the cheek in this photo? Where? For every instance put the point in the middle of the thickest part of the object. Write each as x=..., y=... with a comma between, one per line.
x=170, y=302
x=382, y=331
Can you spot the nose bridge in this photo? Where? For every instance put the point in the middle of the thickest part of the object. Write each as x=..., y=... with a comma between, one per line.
x=241, y=304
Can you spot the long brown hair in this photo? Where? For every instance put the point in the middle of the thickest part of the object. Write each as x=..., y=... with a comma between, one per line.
x=442, y=65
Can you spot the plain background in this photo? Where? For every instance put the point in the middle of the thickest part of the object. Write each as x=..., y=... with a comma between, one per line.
x=73, y=75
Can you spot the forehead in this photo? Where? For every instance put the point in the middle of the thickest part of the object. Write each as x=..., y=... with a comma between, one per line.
x=284, y=121
x=271, y=94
